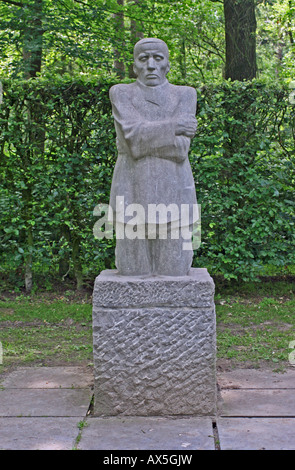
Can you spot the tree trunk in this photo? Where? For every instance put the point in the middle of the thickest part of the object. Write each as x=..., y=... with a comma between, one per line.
x=182, y=58
x=77, y=263
x=290, y=22
x=240, y=38
x=29, y=239
x=119, y=26
x=33, y=40
x=136, y=33
x=28, y=261
x=64, y=260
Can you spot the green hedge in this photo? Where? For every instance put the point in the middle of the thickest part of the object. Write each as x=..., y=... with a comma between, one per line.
x=57, y=148
x=243, y=161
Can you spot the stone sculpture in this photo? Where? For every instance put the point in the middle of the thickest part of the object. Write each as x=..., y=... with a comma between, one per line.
x=154, y=334
x=154, y=123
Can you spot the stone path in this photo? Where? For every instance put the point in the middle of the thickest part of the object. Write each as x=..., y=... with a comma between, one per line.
x=49, y=408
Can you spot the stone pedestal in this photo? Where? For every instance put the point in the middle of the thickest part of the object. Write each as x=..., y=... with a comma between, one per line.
x=154, y=345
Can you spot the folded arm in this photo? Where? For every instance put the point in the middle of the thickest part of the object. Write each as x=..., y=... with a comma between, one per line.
x=169, y=138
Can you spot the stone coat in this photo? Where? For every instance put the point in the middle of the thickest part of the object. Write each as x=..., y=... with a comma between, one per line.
x=152, y=165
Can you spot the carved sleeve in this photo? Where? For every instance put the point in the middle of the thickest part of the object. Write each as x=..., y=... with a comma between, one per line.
x=143, y=137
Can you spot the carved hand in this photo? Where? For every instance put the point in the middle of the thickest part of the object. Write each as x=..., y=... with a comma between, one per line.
x=186, y=125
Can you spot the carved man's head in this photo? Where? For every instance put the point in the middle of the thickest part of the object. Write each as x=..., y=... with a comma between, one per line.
x=151, y=61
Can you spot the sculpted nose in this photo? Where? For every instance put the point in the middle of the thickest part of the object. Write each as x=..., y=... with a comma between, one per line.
x=151, y=64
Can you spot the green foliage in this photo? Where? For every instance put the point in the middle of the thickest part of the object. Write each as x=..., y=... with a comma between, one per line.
x=78, y=37
x=61, y=29
x=275, y=38
x=243, y=160
x=57, y=150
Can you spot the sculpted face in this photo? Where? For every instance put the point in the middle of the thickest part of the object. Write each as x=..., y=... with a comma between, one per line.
x=151, y=62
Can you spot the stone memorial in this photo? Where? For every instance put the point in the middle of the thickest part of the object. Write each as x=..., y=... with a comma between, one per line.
x=154, y=316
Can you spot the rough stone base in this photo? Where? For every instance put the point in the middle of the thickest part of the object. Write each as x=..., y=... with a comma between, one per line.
x=154, y=345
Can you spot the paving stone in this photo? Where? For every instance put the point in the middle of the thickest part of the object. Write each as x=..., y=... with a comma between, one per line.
x=256, y=433
x=38, y=433
x=257, y=403
x=255, y=378
x=45, y=411
x=49, y=377
x=60, y=402
x=147, y=433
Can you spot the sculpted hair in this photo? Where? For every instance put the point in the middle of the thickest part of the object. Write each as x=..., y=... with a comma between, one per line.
x=150, y=40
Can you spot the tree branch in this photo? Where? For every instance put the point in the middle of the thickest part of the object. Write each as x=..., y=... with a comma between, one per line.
x=82, y=3
x=12, y=2
x=195, y=64
x=216, y=52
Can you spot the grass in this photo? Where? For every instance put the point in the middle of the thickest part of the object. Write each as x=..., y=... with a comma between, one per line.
x=45, y=331
x=255, y=324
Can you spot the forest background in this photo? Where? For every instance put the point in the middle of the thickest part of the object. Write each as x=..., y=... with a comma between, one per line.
x=57, y=139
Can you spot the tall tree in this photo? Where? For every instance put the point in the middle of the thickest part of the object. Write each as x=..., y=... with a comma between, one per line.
x=31, y=32
x=32, y=38
x=28, y=21
x=119, y=25
x=240, y=38
x=64, y=35
x=136, y=32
